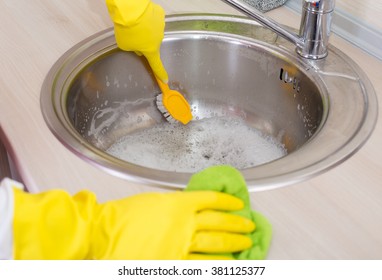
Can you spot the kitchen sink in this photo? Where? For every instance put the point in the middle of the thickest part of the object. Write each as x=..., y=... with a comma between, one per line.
x=240, y=77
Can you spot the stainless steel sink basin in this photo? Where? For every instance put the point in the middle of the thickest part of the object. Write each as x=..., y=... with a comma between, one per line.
x=320, y=111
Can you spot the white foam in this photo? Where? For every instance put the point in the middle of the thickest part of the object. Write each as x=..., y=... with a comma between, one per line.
x=213, y=141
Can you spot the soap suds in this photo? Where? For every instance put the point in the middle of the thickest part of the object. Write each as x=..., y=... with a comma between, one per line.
x=203, y=143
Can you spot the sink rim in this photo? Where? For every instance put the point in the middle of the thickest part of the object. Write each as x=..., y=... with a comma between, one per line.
x=60, y=125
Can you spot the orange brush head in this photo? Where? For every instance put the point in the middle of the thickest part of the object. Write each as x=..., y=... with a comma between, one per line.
x=173, y=105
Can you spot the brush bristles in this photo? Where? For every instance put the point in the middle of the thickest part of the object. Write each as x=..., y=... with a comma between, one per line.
x=163, y=109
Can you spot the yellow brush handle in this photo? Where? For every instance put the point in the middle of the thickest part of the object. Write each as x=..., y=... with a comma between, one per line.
x=163, y=86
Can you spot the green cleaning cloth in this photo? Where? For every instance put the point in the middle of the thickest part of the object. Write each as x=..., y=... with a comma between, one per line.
x=229, y=180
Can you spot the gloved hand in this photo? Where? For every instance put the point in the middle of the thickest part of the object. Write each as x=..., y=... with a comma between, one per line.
x=176, y=225
x=139, y=26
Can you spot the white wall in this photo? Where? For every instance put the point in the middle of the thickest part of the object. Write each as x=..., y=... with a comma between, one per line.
x=367, y=11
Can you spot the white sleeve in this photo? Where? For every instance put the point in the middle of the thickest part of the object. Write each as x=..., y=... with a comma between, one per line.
x=6, y=217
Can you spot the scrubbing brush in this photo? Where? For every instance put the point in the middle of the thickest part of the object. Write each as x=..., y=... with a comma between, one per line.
x=173, y=105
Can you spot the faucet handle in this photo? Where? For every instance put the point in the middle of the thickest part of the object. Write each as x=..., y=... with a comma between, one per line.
x=322, y=6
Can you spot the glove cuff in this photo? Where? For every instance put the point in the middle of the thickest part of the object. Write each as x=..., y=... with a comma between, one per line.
x=126, y=12
x=52, y=225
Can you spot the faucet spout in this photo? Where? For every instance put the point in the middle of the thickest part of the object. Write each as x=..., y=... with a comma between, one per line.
x=313, y=38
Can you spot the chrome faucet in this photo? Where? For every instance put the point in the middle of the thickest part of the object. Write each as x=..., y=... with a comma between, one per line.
x=313, y=39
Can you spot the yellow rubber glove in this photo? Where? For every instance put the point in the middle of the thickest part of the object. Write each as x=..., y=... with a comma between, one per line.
x=139, y=26
x=176, y=225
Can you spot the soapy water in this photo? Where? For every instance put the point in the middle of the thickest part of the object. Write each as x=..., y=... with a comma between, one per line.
x=200, y=144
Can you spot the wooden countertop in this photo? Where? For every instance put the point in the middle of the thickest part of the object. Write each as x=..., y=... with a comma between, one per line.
x=337, y=215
